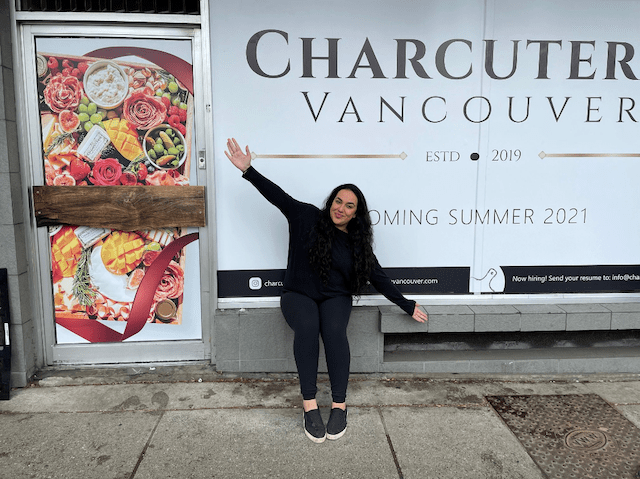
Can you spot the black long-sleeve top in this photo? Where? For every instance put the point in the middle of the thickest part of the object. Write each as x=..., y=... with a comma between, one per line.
x=300, y=276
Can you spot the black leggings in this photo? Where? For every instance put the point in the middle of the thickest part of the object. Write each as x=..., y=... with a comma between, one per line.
x=309, y=319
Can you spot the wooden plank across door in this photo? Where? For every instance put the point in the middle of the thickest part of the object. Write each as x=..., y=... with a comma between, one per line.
x=125, y=208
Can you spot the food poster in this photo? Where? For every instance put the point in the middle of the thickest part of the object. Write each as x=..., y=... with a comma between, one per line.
x=119, y=112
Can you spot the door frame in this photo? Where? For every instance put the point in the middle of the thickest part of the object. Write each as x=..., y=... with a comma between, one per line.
x=33, y=174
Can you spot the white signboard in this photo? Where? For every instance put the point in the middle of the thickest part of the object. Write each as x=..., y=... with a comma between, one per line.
x=496, y=142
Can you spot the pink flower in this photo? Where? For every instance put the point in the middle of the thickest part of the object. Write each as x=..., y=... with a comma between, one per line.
x=171, y=284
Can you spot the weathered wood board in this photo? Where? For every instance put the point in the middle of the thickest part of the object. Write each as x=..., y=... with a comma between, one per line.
x=125, y=208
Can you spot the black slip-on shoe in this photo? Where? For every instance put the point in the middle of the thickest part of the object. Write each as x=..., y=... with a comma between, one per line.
x=314, y=426
x=337, y=425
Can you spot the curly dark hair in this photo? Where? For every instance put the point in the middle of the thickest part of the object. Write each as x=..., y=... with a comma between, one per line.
x=360, y=234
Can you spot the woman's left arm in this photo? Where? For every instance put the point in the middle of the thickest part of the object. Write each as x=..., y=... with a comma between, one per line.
x=381, y=282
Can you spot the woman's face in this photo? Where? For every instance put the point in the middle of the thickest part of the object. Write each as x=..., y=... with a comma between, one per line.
x=343, y=208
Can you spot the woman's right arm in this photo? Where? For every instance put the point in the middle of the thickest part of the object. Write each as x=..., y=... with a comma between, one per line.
x=272, y=192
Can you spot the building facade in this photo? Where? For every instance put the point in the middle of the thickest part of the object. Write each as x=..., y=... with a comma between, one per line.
x=496, y=142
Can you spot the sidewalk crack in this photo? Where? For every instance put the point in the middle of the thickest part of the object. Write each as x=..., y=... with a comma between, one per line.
x=393, y=451
x=146, y=446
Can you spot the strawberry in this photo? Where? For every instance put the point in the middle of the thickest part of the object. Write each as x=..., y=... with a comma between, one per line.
x=142, y=172
x=79, y=169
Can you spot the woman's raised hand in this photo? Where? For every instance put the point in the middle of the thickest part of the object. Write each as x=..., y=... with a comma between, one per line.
x=240, y=160
x=419, y=315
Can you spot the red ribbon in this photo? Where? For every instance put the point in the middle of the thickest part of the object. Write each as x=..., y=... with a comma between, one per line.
x=97, y=332
x=179, y=68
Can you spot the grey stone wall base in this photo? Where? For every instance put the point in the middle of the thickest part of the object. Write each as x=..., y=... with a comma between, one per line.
x=259, y=340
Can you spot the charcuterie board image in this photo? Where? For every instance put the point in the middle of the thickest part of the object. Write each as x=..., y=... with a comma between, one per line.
x=107, y=122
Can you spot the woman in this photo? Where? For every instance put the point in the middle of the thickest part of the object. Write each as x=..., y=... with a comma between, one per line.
x=330, y=260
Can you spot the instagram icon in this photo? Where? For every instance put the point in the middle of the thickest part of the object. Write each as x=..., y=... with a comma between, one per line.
x=255, y=283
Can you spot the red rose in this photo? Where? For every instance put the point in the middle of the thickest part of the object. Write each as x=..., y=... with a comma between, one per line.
x=144, y=111
x=63, y=92
x=107, y=171
x=171, y=284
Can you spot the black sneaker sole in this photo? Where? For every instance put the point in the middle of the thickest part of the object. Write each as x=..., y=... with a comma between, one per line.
x=317, y=440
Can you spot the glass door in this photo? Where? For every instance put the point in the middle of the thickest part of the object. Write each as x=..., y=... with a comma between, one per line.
x=116, y=108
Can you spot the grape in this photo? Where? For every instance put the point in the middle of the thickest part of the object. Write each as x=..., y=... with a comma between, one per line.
x=82, y=108
x=84, y=100
x=88, y=125
x=83, y=117
x=95, y=118
x=92, y=108
x=173, y=87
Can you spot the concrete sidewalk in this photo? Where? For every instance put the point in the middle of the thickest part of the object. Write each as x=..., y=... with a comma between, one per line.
x=192, y=422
